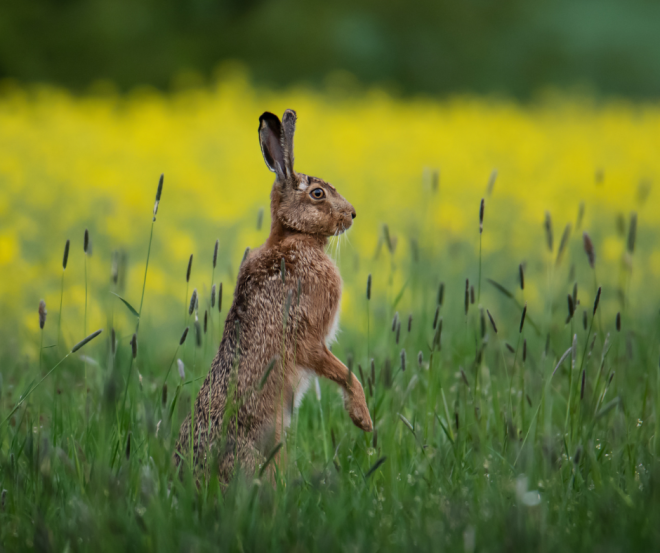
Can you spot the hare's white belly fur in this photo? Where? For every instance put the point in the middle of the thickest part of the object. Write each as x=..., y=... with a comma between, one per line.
x=331, y=337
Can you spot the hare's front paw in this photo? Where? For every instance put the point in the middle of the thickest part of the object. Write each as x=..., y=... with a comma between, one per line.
x=359, y=412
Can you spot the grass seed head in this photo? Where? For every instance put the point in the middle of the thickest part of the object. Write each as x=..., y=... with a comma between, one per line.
x=584, y=319
x=134, y=346
x=409, y=322
x=472, y=295
x=597, y=300
x=571, y=307
x=85, y=341
x=183, y=336
x=189, y=269
x=395, y=320
x=213, y=296
x=510, y=347
x=403, y=360
x=618, y=322
x=287, y=306
x=128, y=445
x=389, y=241
x=441, y=293
x=435, y=318
x=481, y=217
x=584, y=377
x=492, y=321
x=467, y=295
x=369, y=287
x=420, y=359
x=548, y=231
x=215, y=253
x=42, y=314
x=182, y=368
x=522, y=318
x=193, y=301
x=524, y=350
x=220, y=298
x=206, y=320
x=437, y=336
x=482, y=322
x=632, y=232
x=65, y=259
x=163, y=395
x=563, y=243
x=578, y=454
x=464, y=377
x=589, y=249
x=521, y=275
x=245, y=255
x=361, y=373
x=159, y=191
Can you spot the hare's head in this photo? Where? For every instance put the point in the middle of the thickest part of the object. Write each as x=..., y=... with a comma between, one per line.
x=299, y=202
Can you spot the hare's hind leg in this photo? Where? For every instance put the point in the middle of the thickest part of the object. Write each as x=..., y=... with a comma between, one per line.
x=239, y=454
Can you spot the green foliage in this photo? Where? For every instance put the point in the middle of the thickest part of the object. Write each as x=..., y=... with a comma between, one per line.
x=436, y=47
x=549, y=444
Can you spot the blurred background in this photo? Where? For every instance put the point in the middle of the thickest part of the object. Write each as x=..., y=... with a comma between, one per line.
x=414, y=111
x=510, y=47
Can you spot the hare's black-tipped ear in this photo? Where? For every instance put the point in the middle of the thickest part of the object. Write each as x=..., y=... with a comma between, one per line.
x=270, y=140
x=289, y=124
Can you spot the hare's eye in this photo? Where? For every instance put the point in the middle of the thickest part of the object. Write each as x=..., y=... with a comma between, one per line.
x=318, y=193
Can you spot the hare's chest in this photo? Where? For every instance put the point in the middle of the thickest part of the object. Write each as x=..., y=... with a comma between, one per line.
x=321, y=285
x=331, y=309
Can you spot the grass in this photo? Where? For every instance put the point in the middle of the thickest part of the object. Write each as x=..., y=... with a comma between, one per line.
x=514, y=432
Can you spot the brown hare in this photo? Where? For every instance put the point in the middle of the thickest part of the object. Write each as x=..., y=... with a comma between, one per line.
x=243, y=407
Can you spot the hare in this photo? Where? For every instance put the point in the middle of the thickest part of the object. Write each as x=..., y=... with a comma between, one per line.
x=285, y=311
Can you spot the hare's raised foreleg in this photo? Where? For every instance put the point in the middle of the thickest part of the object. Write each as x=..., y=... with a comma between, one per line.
x=322, y=361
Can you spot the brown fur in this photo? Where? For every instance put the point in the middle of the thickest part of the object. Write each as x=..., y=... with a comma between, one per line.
x=233, y=418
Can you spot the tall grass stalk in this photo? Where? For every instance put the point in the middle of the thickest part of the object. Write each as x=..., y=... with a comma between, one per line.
x=481, y=231
x=65, y=261
x=159, y=192
x=86, y=251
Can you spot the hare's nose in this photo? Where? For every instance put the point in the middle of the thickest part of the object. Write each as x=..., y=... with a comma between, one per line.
x=353, y=215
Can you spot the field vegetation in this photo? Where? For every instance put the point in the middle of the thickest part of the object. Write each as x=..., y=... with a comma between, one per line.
x=500, y=308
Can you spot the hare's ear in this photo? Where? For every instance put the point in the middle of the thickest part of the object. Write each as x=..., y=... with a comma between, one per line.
x=270, y=140
x=289, y=124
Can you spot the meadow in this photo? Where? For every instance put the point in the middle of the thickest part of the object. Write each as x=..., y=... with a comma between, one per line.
x=500, y=307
